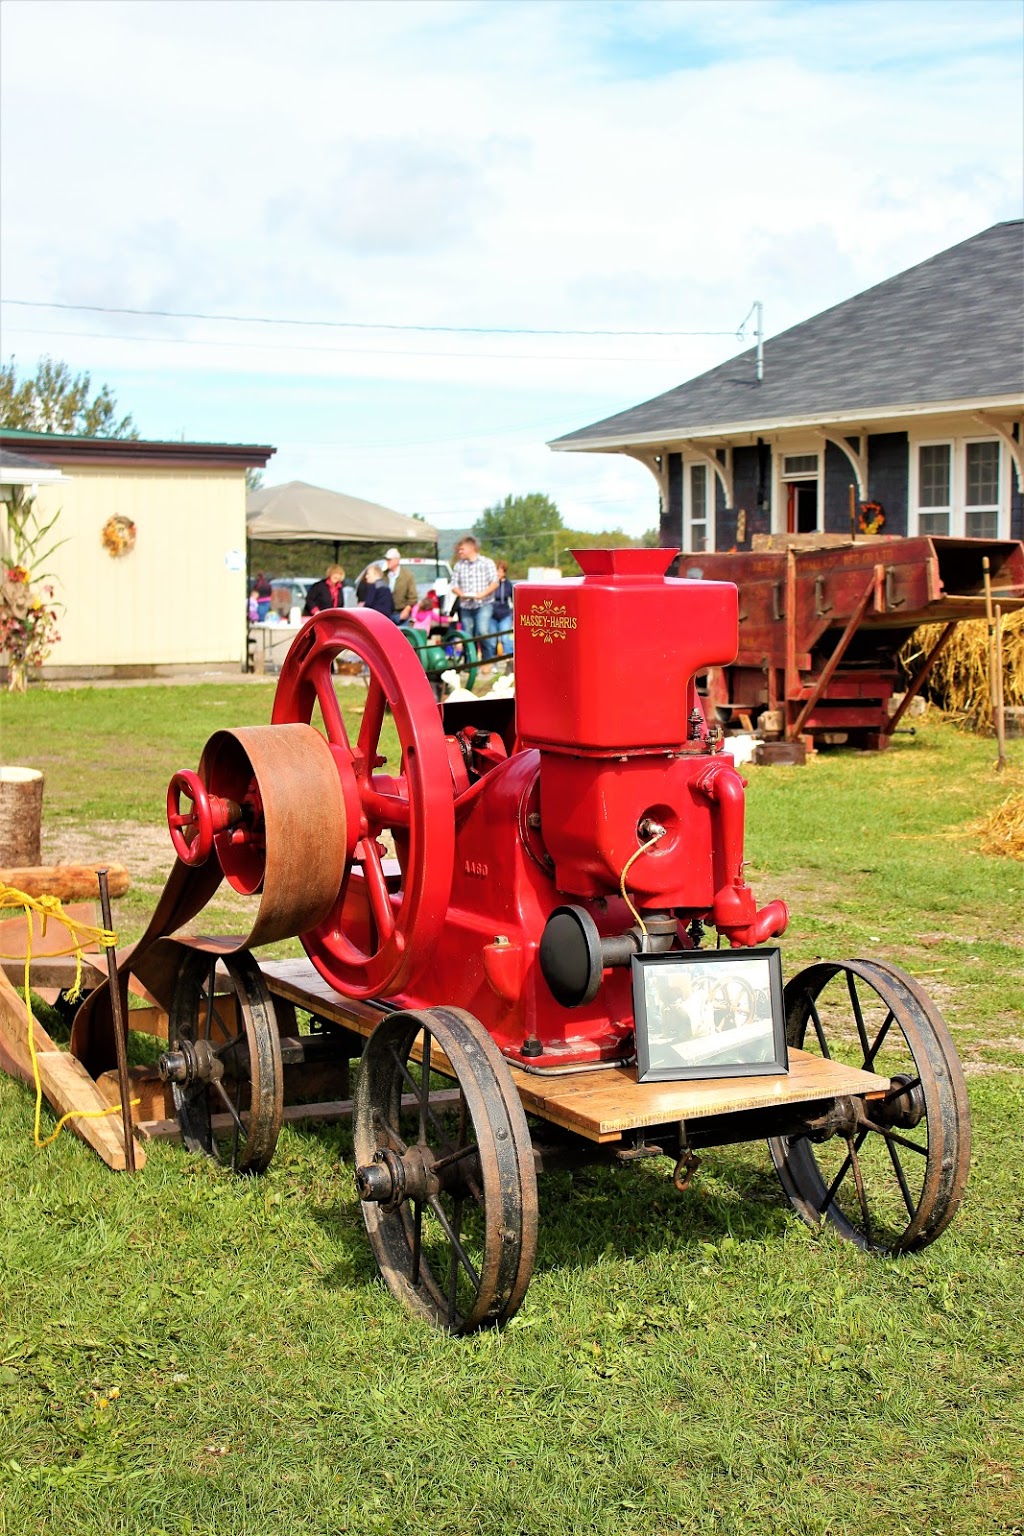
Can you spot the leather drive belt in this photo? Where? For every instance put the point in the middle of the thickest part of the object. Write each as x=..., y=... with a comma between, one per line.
x=290, y=771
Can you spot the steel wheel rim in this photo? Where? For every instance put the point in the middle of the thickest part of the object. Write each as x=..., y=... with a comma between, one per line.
x=884, y=1183
x=490, y=1205
x=252, y=1092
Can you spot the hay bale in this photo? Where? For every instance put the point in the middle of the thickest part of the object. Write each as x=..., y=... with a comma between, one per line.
x=1003, y=831
x=959, y=682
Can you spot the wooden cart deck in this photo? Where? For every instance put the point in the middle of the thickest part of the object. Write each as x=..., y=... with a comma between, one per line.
x=601, y=1105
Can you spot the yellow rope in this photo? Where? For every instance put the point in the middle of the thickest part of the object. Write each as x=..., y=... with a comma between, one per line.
x=47, y=907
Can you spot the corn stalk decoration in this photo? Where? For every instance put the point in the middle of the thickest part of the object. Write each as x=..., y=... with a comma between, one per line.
x=28, y=613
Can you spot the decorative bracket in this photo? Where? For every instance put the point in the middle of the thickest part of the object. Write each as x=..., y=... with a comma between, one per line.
x=1003, y=431
x=859, y=461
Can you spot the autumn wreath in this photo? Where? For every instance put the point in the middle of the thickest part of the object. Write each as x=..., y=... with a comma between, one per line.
x=118, y=536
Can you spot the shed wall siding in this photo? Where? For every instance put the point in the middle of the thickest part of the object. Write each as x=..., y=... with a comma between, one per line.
x=172, y=600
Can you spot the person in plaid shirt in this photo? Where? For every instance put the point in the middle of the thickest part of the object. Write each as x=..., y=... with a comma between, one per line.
x=474, y=582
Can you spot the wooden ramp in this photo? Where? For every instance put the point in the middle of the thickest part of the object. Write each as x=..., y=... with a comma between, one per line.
x=64, y=1081
x=601, y=1105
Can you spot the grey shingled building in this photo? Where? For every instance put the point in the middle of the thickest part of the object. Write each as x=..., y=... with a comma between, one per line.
x=912, y=392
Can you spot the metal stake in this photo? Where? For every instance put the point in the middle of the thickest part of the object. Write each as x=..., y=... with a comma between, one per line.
x=995, y=665
x=1000, y=713
x=120, y=1029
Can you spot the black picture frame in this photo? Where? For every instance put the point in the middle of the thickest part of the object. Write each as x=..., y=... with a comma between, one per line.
x=709, y=1013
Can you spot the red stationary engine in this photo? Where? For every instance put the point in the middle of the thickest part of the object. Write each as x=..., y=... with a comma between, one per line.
x=521, y=851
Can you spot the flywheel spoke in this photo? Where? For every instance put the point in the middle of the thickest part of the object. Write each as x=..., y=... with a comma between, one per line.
x=377, y=891
x=371, y=725
x=327, y=698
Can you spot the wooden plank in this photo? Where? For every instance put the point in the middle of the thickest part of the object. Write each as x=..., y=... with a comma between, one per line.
x=56, y=973
x=324, y=1113
x=601, y=1105
x=68, y=1086
x=155, y=1098
x=65, y=1082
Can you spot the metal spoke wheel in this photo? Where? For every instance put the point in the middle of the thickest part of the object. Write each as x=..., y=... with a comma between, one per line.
x=373, y=946
x=887, y=1172
x=449, y=1189
x=224, y=1062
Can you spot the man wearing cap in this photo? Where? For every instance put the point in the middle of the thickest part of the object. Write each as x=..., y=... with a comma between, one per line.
x=403, y=587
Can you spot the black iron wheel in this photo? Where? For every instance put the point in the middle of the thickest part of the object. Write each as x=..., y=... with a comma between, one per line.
x=448, y=1187
x=224, y=1062
x=888, y=1172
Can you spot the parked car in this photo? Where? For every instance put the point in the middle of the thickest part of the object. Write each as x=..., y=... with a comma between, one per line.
x=288, y=593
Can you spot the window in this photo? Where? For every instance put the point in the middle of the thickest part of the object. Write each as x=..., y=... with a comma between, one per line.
x=799, y=464
x=934, y=479
x=956, y=489
x=698, y=507
x=981, y=498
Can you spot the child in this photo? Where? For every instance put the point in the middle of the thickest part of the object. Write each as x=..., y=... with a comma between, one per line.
x=425, y=611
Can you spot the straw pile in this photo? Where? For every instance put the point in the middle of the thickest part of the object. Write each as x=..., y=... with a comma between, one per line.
x=1003, y=831
x=959, y=681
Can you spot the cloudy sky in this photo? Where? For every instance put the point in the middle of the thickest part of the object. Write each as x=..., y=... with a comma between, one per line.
x=375, y=228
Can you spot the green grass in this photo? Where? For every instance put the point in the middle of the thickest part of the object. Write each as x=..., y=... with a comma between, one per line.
x=682, y=1364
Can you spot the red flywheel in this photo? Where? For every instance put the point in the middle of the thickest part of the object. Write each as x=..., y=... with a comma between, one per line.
x=380, y=931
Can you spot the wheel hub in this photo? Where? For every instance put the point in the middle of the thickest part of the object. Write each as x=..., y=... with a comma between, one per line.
x=390, y=1179
x=195, y=1061
x=903, y=1105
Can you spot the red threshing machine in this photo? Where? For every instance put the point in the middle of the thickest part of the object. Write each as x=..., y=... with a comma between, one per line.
x=483, y=909
x=822, y=623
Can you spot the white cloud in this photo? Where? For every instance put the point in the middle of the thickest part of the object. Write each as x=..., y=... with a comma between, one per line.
x=562, y=165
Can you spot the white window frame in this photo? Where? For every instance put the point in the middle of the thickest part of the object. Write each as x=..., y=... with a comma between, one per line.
x=710, y=505
x=780, y=494
x=958, y=508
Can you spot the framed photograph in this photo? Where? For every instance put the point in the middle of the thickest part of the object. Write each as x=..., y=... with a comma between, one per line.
x=709, y=1013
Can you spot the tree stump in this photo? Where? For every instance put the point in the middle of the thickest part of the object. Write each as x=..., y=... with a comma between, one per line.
x=21, y=816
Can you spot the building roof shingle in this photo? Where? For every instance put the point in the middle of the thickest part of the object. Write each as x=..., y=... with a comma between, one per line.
x=951, y=328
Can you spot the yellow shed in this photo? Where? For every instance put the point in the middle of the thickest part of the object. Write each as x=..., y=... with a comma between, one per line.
x=152, y=570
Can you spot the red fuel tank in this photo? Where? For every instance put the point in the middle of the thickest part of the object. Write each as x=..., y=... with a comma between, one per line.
x=605, y=662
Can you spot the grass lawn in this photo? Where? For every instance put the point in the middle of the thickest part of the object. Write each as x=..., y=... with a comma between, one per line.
x=187, y=1352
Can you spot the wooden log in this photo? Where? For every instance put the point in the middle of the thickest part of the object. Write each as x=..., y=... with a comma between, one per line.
x=21, y=815
x=71, y=882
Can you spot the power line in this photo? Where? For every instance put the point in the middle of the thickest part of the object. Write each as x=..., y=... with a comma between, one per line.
x=351, y=325
x=291, y=346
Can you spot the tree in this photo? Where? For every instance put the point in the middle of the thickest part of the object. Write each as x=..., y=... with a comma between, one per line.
x=254, y=479
x=58, y=401
x=524, y=530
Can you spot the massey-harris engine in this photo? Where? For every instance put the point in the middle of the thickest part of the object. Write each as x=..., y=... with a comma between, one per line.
x=538, y=843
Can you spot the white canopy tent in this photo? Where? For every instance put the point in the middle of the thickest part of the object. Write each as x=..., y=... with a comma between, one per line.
x=301, y=511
